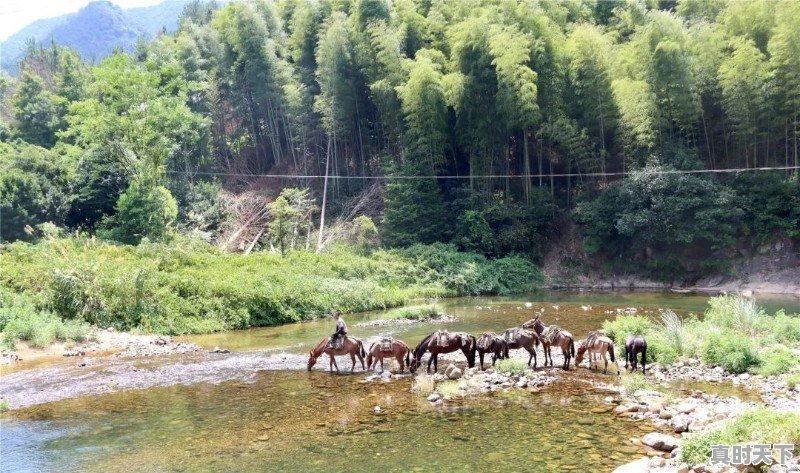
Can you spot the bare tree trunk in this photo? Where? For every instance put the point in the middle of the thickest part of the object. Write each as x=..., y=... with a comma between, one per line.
x=324, y=197
x=526, y=168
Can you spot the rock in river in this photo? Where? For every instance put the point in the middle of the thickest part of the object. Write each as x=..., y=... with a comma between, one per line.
x=641, y=465
x=660, y=442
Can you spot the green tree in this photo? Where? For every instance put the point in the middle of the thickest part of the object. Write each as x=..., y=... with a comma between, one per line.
x=145, y=210
x=36, y=112
x=743, y=77
x=784, y=50
x=413, y=210
x=290, y=216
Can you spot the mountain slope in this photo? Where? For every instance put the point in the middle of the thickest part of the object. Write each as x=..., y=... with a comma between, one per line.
x=95, y=30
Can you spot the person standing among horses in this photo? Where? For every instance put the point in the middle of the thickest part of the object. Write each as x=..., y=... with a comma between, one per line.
x=340, y=332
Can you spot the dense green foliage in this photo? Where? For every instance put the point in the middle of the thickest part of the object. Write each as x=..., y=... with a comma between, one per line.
x=487, y=124
x=188, y=286
x=761, y=425
x=734, y=333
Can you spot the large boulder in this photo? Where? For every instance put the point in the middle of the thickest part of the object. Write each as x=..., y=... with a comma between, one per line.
x=660, y=442
x=453, y=372
x=641, y=465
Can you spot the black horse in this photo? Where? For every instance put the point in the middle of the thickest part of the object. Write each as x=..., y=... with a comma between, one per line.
x=442, y=341
x=493, y=343
x=634, y=345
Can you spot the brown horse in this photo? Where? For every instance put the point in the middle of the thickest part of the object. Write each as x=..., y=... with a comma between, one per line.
x=596, y=344
x=442, y=341
x=553, y=335
x=516, y=338
x=493, y=343
x=349, y=346
x=386, y=348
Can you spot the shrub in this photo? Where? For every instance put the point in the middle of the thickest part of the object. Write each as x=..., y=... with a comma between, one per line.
x=3, y=405
x=777, y=360
x=732, y=351
x=793, y=380
x=414, y=312
x=620, y=328
x=145, y=209
x=40, y=329
x=784, y=328
x=760, y=425
x=511, y=365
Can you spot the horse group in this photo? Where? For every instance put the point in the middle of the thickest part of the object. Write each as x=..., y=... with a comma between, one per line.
x=527, y=337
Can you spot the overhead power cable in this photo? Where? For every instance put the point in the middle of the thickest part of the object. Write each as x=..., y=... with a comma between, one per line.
x=493, y=176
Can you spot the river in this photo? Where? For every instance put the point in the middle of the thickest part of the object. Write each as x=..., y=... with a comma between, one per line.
x=293, y=420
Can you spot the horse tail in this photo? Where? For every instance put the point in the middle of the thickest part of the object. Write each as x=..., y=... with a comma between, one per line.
x=572, y=346
x=408, y=356
x=361, y=349
x=611, y=352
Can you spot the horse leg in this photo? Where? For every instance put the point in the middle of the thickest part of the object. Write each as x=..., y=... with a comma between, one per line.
x=530, y=357
x=626, y=357
x=353, y=362
x=605, y=368
x=644, y=359
x=436, y=363
x=430, y=360
x=480, y=356
x=335, y=365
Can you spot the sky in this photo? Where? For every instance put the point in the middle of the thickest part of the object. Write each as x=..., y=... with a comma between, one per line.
x=16, y=14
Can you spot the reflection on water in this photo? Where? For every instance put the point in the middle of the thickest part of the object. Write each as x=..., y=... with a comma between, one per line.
x=297, y=421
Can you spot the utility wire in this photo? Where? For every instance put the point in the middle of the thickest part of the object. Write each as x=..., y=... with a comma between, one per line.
x=492, y=176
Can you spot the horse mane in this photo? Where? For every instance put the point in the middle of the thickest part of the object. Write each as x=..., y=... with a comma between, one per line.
x=320, y=348
x=419, y=350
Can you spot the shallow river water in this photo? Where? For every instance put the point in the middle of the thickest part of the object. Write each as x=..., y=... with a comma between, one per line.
x=301, y=421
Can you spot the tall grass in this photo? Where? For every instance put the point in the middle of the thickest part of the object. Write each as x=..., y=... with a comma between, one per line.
x=735, y=312
x=673, y=331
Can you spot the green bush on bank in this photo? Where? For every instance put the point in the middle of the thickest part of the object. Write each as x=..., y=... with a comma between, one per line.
x=730, y=335
x=188, y=286
x=760, y=425
x=20, y=320
x=733, y=351
x=777, y=360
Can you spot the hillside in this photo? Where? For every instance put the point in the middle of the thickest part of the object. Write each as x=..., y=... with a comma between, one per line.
x=95, y=30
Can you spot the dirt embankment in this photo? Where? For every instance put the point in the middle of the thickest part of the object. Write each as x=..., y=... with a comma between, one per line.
x=769, y=269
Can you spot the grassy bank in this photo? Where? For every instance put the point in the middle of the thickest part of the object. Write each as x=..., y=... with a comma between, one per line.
x=187, y=286
x=763, y=426
x=734, y=333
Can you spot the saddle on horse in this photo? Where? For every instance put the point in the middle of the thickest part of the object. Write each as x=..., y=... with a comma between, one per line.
x=387, y=344
x=336, y=342
x=550, y=333
x=444, y=338
x=512, y=334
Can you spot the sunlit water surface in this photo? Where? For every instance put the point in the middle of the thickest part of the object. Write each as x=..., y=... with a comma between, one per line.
x=300, y=421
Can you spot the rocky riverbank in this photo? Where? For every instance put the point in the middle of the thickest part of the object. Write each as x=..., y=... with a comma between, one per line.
x=698, y=412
